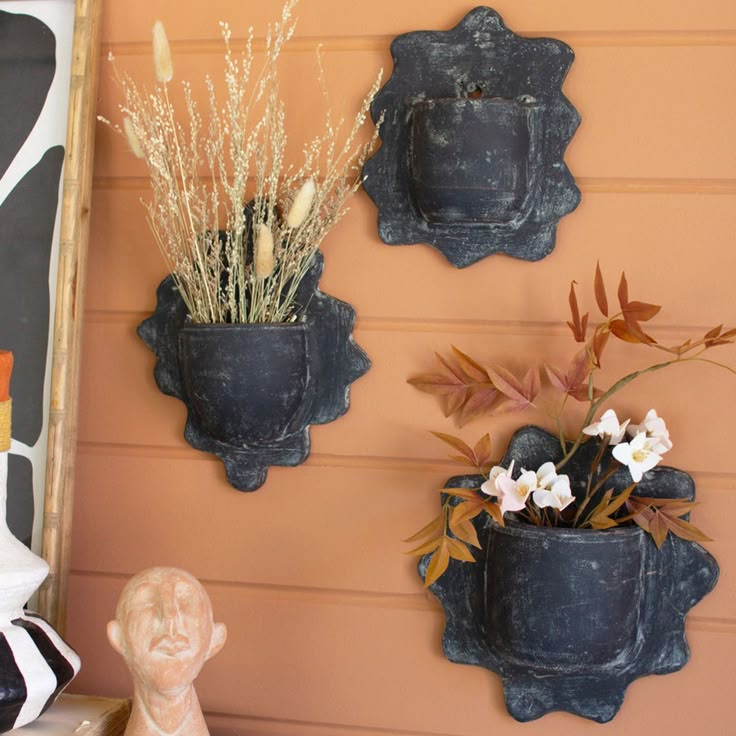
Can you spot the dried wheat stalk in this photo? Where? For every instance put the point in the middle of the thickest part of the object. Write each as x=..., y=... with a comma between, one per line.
x=232, y=266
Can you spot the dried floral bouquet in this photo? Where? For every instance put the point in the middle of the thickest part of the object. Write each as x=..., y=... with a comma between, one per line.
x=239, y=240
x=545, y=496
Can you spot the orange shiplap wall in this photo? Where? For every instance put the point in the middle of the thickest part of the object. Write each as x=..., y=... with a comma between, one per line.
x=330, y=629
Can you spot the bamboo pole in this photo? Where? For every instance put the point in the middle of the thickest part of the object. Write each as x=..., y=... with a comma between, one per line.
x=75, y=209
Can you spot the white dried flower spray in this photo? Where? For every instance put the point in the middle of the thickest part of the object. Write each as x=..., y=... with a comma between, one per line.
x=301, y=205
x=162, y=62
x=199, y=222
x=264, y=252
x=133, y=140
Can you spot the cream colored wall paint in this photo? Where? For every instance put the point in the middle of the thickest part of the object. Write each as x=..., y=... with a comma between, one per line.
x=330, y=631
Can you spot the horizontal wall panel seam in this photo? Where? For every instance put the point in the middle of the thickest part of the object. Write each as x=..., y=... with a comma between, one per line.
x=421, y=602
x=408, y=324
x=330, y=596
x=656, y=186
x=725, y=482
x=367, y=462
x=381, y=42
x=591, y=185
x=712, y=624
x=325, y=728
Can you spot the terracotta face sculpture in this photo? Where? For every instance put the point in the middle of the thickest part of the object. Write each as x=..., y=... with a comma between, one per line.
x=165, y=631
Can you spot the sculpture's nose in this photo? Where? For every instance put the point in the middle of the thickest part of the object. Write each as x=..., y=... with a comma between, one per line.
x=173, y=628
x=172, y=616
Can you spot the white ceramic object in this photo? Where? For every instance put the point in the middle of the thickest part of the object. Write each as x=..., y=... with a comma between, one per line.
x=36, y=664
x=21, y=571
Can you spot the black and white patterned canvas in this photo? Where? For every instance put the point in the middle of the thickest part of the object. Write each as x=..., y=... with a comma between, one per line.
x=35, y=68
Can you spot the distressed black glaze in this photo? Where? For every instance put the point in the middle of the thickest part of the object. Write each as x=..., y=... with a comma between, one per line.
x=475, y=129
x=265, y=366
x=27, y=218
x=13, y=690
x=569, y=618
x=27, y=68
x=452, y=143
x=250, y=401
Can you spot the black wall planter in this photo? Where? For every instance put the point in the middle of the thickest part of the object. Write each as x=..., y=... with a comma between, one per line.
x=569, y=618
x=251, y=391
x=474, y=134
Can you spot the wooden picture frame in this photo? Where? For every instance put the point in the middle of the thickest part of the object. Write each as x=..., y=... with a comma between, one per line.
x=75, y=210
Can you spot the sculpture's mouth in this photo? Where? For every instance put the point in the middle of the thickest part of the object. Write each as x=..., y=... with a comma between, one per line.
x=171, y=646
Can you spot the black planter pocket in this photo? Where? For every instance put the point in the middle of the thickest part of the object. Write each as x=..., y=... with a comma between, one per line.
x=252, y=391
x=566, y=597
x=472, y=160
x=247, y=384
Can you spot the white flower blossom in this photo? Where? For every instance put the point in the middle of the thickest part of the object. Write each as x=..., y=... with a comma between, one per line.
x=489, y=487
x=608, y=426
x=558, y=495
x=655, y=428
x=546, y=475
x=639, y=455
x=514, y=493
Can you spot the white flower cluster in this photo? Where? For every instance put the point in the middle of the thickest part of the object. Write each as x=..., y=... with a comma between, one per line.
x=546, y=488
x=650, y=441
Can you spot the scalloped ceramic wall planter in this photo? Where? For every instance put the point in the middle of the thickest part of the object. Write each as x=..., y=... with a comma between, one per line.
x=473, y=139
x=569, y=618
x=252, y=391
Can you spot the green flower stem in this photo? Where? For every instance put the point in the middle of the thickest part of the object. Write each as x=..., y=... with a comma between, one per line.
x=561, y=434
x=597, y=461
x=579, y=513
x=607, y=395
x=711, y=362
x=613, y=467
x=591, y=492
x=531, y=515
x=621, y=383
x=558, y=420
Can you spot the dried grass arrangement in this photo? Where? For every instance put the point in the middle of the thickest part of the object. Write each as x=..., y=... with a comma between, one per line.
x=239, y=239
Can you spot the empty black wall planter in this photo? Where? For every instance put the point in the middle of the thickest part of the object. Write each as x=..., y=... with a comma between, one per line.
x=473, y=138
x=251, y=391
x=570, y=617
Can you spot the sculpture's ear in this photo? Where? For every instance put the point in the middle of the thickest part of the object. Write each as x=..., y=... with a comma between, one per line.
x=219, y=635
x=115, y=636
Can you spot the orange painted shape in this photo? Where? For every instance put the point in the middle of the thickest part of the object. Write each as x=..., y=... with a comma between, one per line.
x=6, y=368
